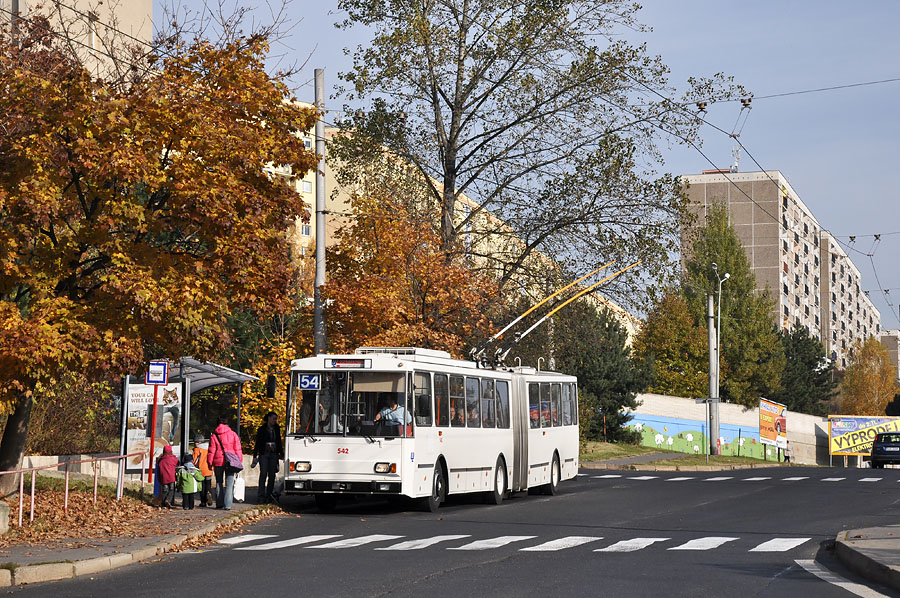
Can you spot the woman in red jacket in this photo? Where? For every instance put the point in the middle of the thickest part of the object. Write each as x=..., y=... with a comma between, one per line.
x=222, y=440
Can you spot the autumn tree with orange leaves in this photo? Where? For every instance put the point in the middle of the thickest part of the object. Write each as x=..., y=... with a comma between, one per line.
x=390, y=282
x=135, y=215
x=870, y=382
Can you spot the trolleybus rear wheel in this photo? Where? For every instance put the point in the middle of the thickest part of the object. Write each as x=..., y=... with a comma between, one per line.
x=496, y=496
x=553, y=487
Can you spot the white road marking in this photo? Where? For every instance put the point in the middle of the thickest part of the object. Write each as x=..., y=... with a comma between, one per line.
x=492, y=542
x=580, y=475
x=795, y=479
x=562, y=543
x=756, y=479
x=871, y=479
x=718, y=479
x=631, y=545
x=424, y=543
x=707, y=543
x=644, y=477
x=780, y=544
x=247, y=538
x=290, y=542
x=834, y=579
x=679, y=479
x=833, y=479
x=606, y=477
x=354, y=542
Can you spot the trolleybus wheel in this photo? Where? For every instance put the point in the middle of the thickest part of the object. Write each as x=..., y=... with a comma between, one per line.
x=326, y=502
x=438, y=491
x=496, y=496
x=553, y=487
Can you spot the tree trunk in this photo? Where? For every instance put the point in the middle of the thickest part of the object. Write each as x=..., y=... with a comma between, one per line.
x=12, y=446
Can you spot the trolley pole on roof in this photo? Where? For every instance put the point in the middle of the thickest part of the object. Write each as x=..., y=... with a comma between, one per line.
x=318, y=311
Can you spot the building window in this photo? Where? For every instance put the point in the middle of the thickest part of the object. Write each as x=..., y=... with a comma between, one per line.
x=307, y=143
x=817, y=320
x=306, y=230
x=786, y=311
x=785, y=289
x=307, y=186
x=784, y=244
x=806, y=289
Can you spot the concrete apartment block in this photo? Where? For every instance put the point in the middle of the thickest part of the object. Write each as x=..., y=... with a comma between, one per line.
x=813, y=281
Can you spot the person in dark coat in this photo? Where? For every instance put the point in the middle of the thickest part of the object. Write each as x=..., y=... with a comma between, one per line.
x=167, y=466
x=268, y=452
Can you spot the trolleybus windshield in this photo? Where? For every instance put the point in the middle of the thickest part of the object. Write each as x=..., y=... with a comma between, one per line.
x=354, y=404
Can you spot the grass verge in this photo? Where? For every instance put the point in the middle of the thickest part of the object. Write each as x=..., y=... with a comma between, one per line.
x=693, y=460
x=599, y=451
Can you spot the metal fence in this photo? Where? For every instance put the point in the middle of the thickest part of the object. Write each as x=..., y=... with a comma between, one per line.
x=93, y=460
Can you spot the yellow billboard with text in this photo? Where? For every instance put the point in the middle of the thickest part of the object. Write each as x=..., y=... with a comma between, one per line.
x=854, y=434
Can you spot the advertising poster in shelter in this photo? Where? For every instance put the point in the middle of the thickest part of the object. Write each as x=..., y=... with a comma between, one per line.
x=772, y=423
x=138, y=407
x=854, y=434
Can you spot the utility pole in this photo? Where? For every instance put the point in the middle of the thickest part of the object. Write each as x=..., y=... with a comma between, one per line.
x=318, y=310
x=713, y=376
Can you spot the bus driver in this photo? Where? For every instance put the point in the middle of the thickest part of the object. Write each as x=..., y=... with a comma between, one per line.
x=393, y=414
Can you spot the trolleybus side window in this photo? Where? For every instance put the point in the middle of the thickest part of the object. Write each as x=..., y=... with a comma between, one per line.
x=422, y=388
x=574, y=395
x=566, y=405
x=441, y=400
x=457, y=401
x=473, y=398
x=545, y=404
x=554, y=404
x=488, y=419
x=534, y=405
x=502, y=404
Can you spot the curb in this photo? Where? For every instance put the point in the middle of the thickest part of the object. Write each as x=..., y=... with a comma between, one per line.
x=651, y=467
x=863, y=564
x=69, y=569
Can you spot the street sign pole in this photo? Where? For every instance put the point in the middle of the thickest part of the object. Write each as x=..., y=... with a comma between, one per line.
x=157, y=375
x=153, y=431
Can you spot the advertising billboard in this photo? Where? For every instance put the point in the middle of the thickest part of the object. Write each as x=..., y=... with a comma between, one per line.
x=854, y=434
x=772, y=423
x=138, y=407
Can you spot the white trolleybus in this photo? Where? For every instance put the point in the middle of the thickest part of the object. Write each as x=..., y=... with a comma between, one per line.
x=455, y=427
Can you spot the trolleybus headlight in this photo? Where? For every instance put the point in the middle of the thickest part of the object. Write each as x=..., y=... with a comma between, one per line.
x=301, y=466
x=385, y=468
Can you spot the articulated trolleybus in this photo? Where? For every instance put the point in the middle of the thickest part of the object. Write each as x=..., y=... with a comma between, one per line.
x=455, y=427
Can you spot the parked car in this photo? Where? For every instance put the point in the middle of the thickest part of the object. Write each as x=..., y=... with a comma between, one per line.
x=886, y=449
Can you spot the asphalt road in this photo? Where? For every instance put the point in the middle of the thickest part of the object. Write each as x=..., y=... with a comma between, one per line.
x=748, y=533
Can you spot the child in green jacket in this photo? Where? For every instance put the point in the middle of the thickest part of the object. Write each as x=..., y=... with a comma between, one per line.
x=189, y=480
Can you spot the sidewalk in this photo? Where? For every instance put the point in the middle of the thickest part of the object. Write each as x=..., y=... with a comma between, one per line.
x=71, y=557
x=872, y=552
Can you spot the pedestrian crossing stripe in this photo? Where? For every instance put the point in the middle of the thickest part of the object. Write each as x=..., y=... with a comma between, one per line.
x=424, y=542
x=564, y=543
x=719, y=479
x=631, y=545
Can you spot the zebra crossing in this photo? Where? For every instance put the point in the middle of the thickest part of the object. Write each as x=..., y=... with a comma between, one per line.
x=524, y=543
x=736, y=478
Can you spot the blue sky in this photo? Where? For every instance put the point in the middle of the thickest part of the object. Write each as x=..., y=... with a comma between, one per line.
x=837, y=148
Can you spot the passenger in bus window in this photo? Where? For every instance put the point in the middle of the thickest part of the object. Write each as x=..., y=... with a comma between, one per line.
x=456, y=418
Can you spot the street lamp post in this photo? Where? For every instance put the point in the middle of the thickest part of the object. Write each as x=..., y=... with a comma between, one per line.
x=715, y=268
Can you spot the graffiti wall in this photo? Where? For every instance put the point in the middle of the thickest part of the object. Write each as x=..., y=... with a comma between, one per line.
x=690, y=436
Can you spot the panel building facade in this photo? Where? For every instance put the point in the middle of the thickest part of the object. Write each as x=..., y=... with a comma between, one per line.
x=812, y=280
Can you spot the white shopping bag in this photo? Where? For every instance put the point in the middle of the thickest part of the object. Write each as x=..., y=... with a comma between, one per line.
x=239, y=487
